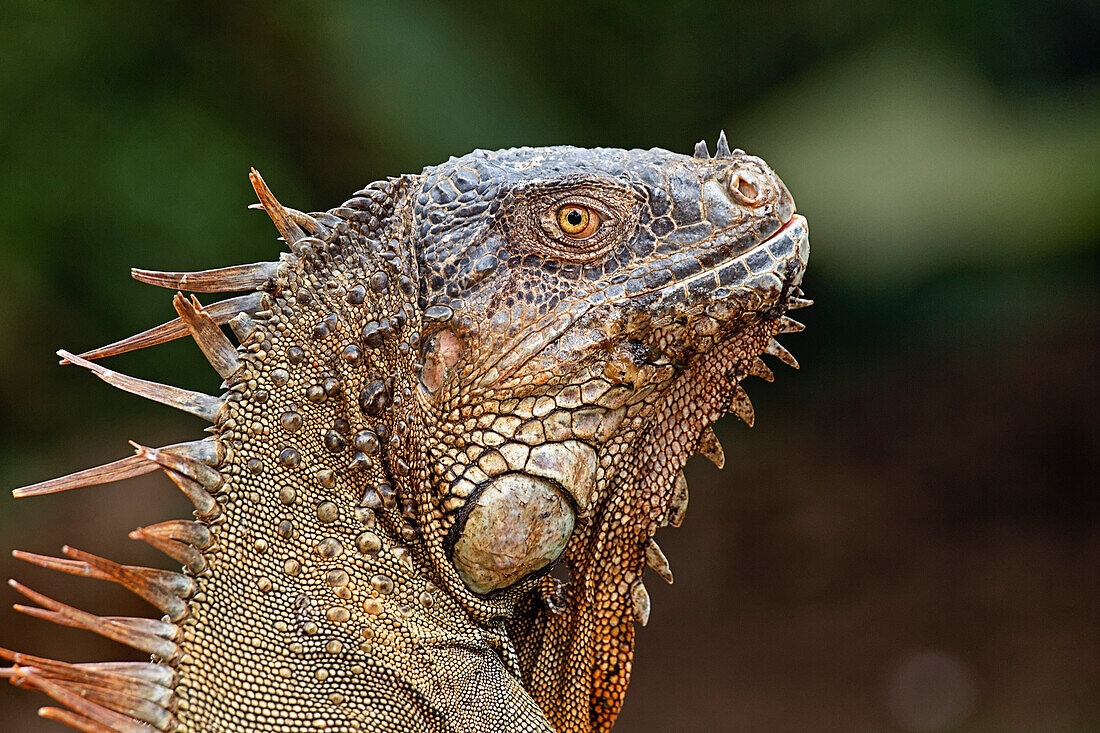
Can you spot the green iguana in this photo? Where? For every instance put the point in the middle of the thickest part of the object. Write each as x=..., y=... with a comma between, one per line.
x=450, y=384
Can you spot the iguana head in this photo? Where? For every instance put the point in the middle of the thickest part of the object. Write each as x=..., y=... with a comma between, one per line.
x=569, y=291
x=590, y=313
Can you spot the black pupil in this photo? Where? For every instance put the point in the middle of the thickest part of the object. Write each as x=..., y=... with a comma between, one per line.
x=574, y=217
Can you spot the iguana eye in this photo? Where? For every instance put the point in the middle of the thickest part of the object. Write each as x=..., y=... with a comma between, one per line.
x=577, y=221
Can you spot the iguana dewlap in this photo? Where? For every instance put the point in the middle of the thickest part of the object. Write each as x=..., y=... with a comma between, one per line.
x=447, y=386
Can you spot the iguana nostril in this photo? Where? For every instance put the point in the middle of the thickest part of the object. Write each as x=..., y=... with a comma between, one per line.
x=440, y=354
x=744, y=190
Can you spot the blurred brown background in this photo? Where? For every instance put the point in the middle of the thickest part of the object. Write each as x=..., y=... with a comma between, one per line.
x=907, y=541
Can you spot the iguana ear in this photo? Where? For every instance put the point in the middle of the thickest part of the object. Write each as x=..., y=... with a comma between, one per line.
x=438, y=357
x=514, y=525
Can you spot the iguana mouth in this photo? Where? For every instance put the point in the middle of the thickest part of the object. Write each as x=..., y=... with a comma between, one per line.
x=772, y=268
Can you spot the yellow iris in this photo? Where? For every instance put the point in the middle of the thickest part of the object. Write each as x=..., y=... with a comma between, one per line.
x=577, y=221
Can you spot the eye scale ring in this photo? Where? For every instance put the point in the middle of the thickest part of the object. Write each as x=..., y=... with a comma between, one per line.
x=574, y=226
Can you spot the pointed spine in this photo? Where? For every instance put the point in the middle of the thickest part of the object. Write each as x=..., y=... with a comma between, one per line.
x=126, y=703
x=221, y=312
x=207, y=451
x=254, y=276
x=215, y=345
x=182, y=540
x=309, y=223
x=776, y=349
x=284, y=222
x=741, y=405
x=195, y=534
x=790, y=325
x=147, y=635
x=796, y=303
x=639, y=597
x=678, y=502
x=162, y=588
x=142, y=690
x=153, y=680
x=84, y=708
x=710, y=447
x=71, y=719
x=115, y=471
x=193, y=469
x=330, y=221
x=205, y=505
x=761, y=370
x=722, y=149
x=656, y=560
x=196, y=403
x=701, y=151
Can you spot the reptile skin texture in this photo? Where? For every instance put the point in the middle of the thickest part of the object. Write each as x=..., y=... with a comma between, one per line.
x=455, y=415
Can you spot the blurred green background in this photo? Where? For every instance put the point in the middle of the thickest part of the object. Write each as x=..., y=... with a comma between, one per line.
x=909, y=538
